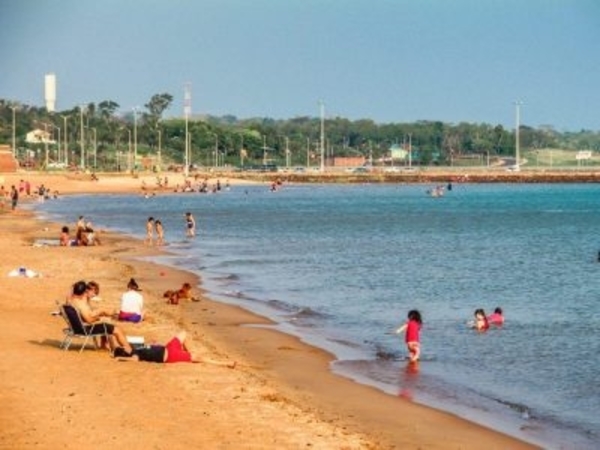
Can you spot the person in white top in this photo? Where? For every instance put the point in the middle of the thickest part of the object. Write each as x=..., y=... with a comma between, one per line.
x=132, y=303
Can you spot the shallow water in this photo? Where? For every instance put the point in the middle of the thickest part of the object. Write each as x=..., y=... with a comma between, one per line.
x=340, y=266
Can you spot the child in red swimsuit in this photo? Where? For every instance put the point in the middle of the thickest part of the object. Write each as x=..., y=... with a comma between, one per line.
x=412, y=339
x=497, y=318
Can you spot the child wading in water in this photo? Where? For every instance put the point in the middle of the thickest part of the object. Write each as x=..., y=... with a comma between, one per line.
x=190, y=224
x=412, y=328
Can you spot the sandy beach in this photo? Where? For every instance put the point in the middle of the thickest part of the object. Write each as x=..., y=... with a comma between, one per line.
x=280, y=395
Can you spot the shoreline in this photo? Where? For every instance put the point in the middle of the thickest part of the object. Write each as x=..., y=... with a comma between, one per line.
x=345, y=413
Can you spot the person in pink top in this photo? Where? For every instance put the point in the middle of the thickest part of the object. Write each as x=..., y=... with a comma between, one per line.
x=497, y=318
x=412, y=327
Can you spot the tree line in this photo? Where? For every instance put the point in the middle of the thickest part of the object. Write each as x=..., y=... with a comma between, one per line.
x=227, y=140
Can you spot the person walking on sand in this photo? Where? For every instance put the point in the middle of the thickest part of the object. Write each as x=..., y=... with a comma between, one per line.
x=160, y=232
x=149, y=231
x=190, y=223
x=412, y=339
x=14, y=197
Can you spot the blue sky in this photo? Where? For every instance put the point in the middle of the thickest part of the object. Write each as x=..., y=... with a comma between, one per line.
x=385, y=60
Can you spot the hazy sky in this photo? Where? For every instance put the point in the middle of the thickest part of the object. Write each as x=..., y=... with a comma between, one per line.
x=386, y=60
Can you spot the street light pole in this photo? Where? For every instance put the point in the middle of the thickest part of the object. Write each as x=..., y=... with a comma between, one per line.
x=45, y=146
x=129, y=151
x=517, y=126
x=57, y=143
x=95, y=148
x=216, y=162
x=307, y=152
x=287, y=152
x=66, y=151
x=82, y=162
x=134, y=137
x=242, y=151
x=187, y=110
x=189, y=146
x=322, y=135
x=159, y=148
x=409, y=149
x=14, y=130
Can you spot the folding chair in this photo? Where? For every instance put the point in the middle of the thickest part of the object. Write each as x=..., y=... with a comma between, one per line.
x=77, y=328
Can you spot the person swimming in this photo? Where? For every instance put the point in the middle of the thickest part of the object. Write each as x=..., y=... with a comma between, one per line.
x=481, y=321
x=497, y=317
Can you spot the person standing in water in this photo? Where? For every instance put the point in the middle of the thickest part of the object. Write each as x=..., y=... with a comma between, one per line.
x=149, y=231
x=412, y=339
x=160, y=233
x=190, y=224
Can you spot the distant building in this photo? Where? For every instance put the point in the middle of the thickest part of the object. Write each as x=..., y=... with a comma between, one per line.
x=398, y=153
x=38, y=136
x=353, y=161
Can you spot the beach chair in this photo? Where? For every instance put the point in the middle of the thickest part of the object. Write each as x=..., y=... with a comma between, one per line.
x=77, y=328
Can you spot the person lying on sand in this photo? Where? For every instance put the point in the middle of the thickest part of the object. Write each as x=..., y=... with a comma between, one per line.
x=174, y=351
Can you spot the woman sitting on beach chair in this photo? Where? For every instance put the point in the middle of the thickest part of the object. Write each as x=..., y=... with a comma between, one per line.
x=79, y=299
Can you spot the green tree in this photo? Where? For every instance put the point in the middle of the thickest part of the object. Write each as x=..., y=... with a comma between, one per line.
x=156, y=107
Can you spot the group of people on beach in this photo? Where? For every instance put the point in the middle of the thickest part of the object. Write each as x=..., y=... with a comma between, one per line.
x=83, y=298
x=154, y=226
x=200, y=186
x=412, y=328
x=131, y=305
x=84, y=235
x=483, y=322
x=24, y=189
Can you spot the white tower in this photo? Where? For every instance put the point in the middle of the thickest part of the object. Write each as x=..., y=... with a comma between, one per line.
x=50, y=91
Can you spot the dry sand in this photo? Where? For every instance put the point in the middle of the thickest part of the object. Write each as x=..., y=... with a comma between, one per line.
x=280, y=395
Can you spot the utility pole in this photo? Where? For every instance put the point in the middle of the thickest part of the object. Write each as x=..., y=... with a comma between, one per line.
x=14, y=130
x=187, y=111
x=66, y=149
x=159, y=148
x=134, y=137
x=322, y=135
x=82, y=162
x=517, y=126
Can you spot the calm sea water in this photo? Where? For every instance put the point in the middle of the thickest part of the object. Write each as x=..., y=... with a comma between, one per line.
x=340, y=266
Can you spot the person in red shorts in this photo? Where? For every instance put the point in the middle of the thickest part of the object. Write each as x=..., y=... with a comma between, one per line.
x=174, y=351
x=412, y=339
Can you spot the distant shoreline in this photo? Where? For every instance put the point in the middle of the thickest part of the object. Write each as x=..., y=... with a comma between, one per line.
x=146, y=181
x=431, y=175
